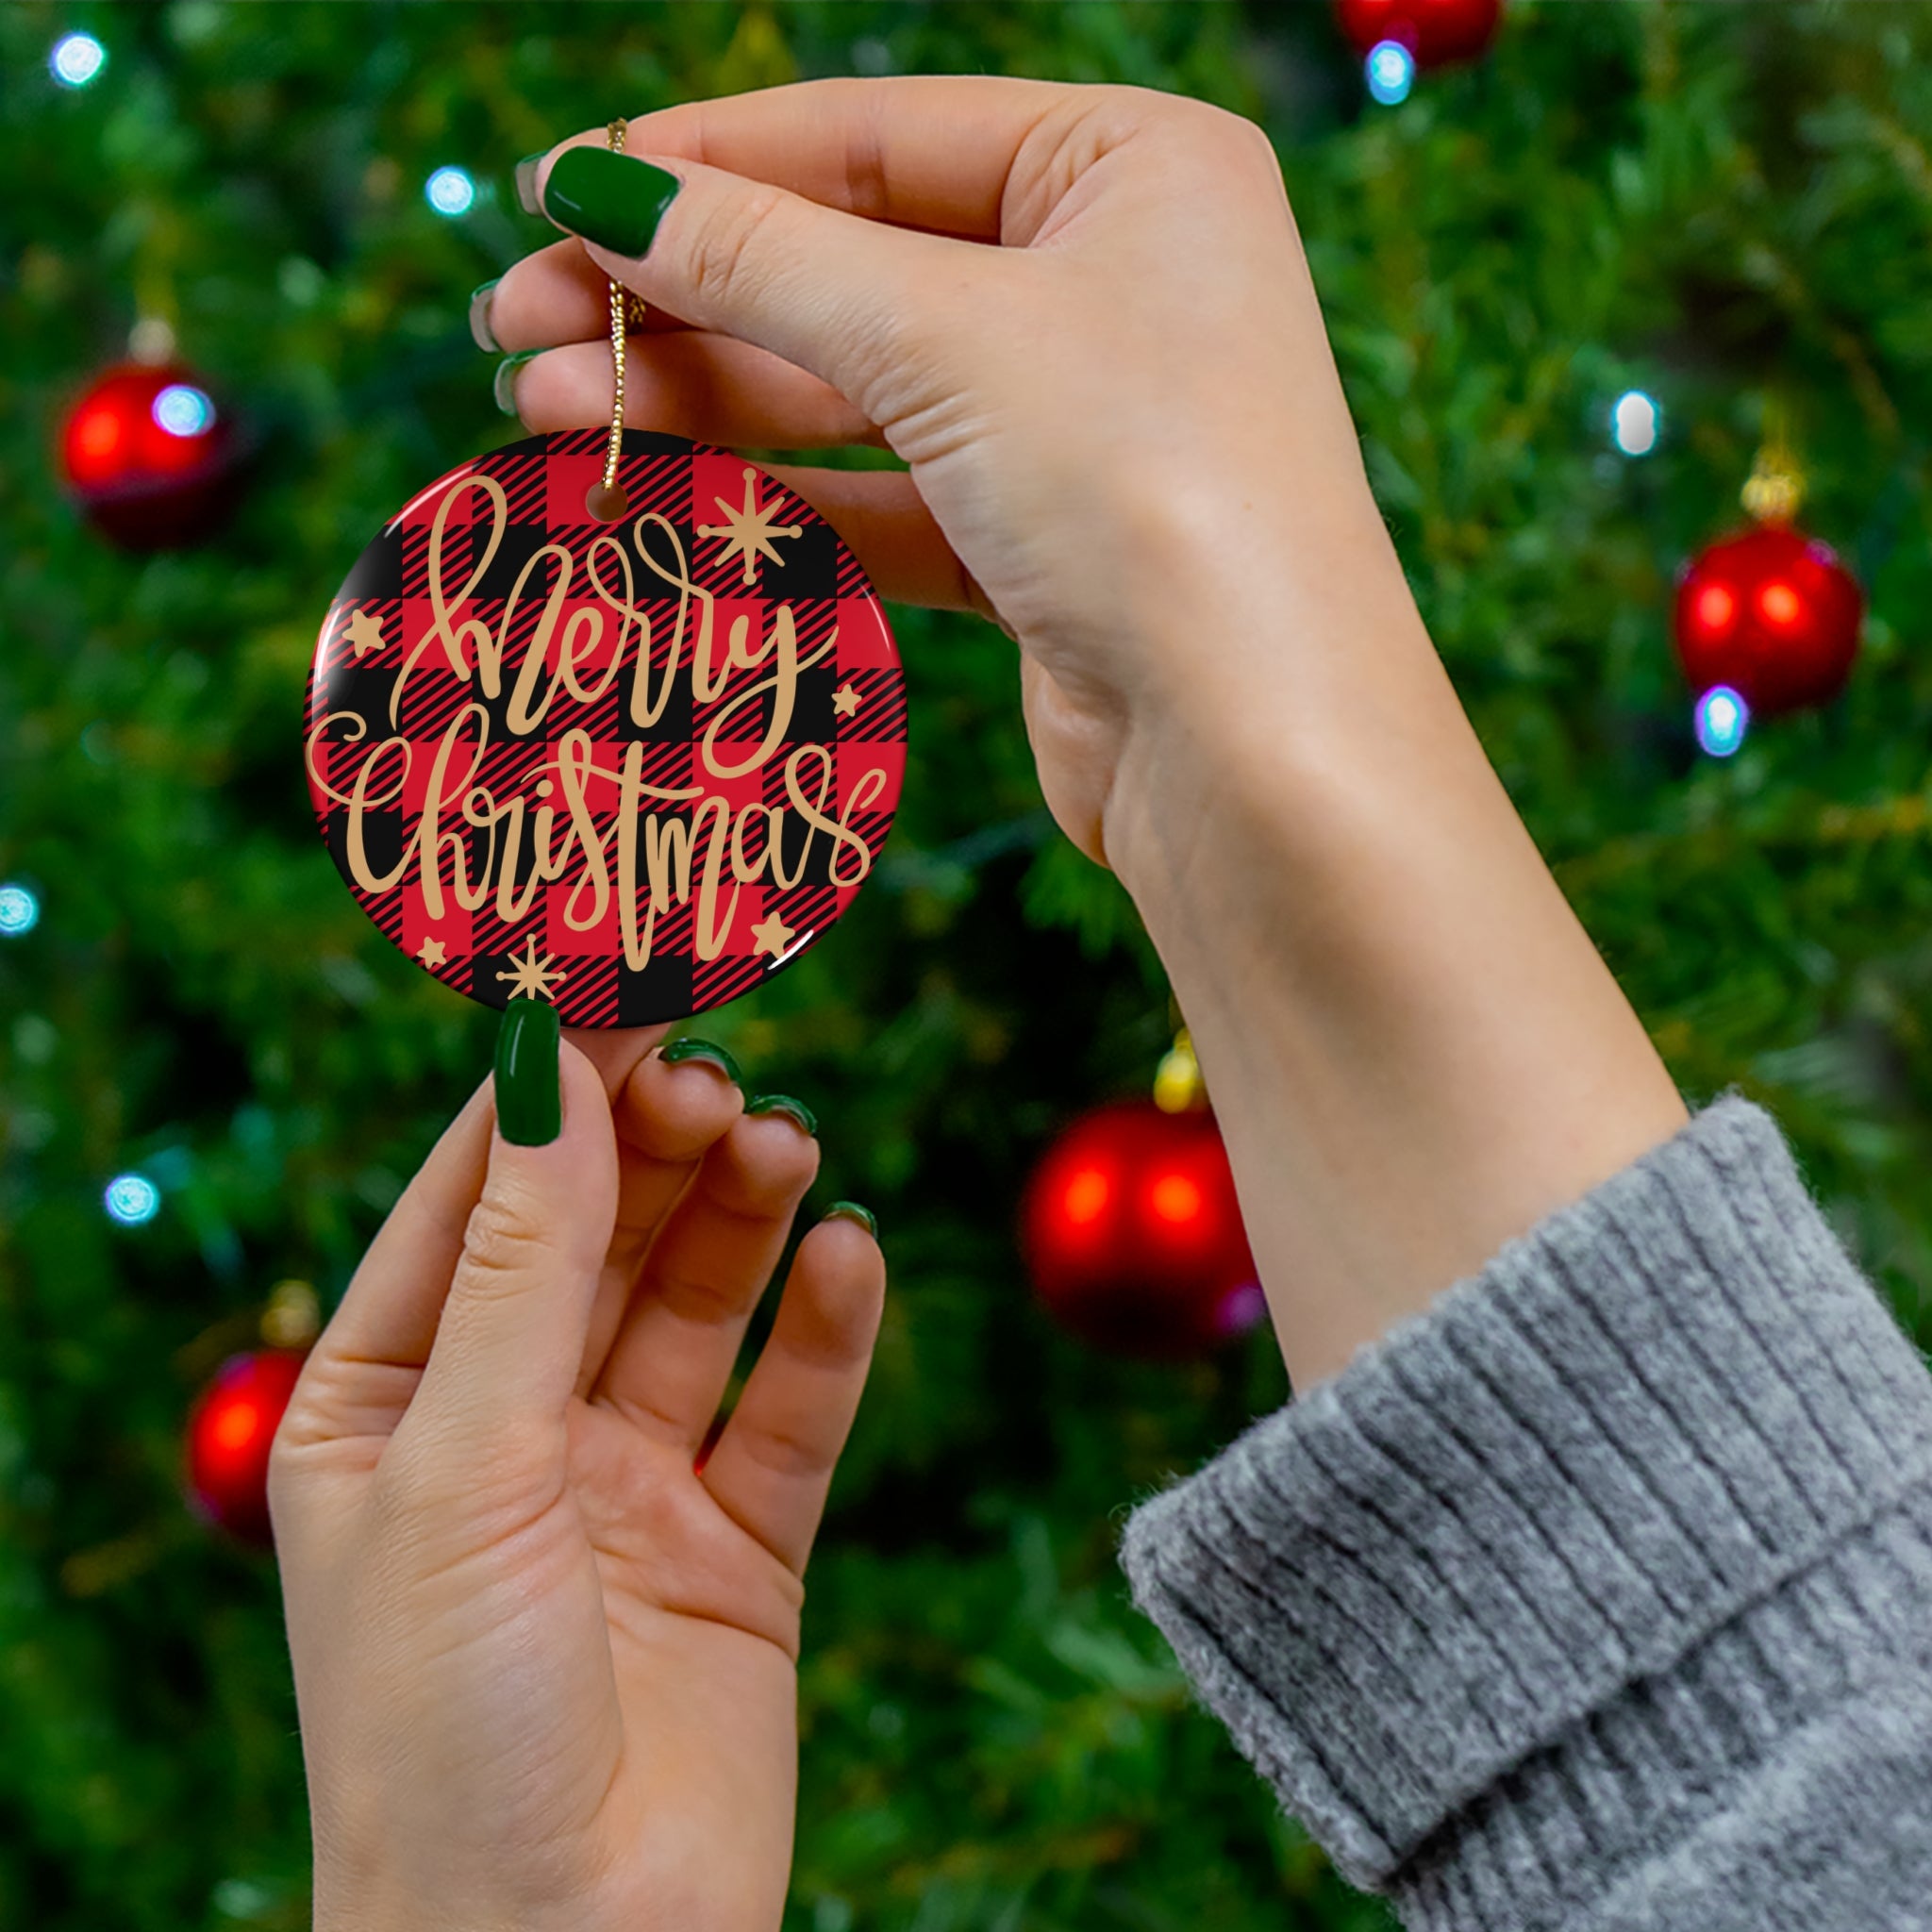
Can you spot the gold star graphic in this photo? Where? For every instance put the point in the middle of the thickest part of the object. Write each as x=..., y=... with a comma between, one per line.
x=432, y=953
x=364, y=634
x=749, y=530
x=771, y=936
x=531, y=978
x=845, y=701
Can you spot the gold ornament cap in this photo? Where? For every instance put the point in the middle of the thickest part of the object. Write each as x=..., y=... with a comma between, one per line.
x=1774, y=491
x=293, y=1317
x=1177, y=1084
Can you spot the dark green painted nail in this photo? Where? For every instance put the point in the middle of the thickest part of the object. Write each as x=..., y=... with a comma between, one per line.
x=505, y=386
x=678, y=1051
x=794, y=1110
x=851, y=1210
x=529, y=1096
x=480, y=331
x=609, y=199
x=527, y=184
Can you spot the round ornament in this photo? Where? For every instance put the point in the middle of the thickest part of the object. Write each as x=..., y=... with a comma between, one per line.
x=149, y=456
x=1435, y=32
x=1133, y=1236
x=230, y=1432
x=1773, y=614
x=632, y=767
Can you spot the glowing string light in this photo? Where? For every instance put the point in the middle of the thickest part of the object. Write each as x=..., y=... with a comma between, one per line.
x=76, y=59
x=19, y=911
x=132, y=1199
x=1636, y=423
x=182, y=409
x=1723, y=717
x=450, y=191
x=1390, y=72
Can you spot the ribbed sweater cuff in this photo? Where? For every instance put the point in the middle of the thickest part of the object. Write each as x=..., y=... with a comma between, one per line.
x=1559, y=1552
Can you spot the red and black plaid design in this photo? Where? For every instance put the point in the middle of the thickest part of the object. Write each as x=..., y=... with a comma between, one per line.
x=472, y=859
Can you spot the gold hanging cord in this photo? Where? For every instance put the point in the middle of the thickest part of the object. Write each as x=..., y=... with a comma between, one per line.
x=606, y=499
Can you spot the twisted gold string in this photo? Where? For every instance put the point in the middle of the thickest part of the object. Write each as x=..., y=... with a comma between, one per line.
x=606, y=500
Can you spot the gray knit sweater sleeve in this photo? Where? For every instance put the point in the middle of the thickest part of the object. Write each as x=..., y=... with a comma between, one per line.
x=1600, y=1595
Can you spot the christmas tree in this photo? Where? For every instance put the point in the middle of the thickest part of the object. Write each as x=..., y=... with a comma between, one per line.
x=1715, y=215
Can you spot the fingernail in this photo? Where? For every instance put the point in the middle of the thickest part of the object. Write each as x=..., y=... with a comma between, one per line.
x=527, y=184
x=529, y=1096
x=608, y=198
x=851, y=1210
x=794, y=1110
x=678, y=1051
x=484, y=336
x=504, y=386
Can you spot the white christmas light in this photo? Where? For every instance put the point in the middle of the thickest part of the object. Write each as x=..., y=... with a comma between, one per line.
x=1723, y=718
x=182, y=409
x=76, y=59
x=132, y=1199
x=19, y=911
x=450, y=191
x=1391, y=72
x=1635, y=421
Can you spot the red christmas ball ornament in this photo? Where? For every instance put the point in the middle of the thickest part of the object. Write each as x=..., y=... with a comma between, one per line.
x=229, y=1433
x=1435, y=32
x=1773, y=614
x=149, y=457
x=1133, y=1236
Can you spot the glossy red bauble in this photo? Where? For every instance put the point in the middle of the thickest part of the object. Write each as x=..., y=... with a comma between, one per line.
x=1773, y=614
x=229, y=1434
x=150, y=457
x=1133, y=1236
x=1435, y=32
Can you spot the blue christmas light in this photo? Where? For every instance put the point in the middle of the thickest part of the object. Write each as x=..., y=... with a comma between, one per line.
x=450, y=191
x=182, y=409
x=1723, y=718
x=19, y=911
x=76, y=59
x=1635, y=422
x=1391, y=72
x=132, y=1199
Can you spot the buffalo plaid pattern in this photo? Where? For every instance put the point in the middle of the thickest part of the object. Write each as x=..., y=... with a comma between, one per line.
x=848, y=715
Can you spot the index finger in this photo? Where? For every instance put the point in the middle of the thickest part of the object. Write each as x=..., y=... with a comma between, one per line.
x=918, y=151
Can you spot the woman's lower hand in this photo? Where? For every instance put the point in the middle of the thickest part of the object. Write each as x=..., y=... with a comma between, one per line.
x=545, y=1665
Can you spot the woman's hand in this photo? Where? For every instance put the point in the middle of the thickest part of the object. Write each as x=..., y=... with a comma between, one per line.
x=545, y=1667
x=1128, y=441
x=1123, y=409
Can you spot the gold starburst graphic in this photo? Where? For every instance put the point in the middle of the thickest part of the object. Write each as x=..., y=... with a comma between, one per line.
x=531, y=978
x=748, y=530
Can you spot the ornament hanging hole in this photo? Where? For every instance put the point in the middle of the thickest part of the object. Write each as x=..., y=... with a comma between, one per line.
x=605, y=502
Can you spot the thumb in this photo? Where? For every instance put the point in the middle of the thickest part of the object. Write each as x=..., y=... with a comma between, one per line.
x=511, y=1340
x=832, y=292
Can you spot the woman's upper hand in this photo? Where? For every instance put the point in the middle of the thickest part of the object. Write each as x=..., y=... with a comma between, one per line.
x=1125, y=432
x=545, y=1666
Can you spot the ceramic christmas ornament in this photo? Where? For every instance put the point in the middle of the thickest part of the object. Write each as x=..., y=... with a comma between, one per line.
x=609, y=719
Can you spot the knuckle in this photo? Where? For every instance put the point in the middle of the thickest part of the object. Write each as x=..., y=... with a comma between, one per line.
x=784, y=1451
x=732, y=241
x=691, y=1297
x=500, y=1249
